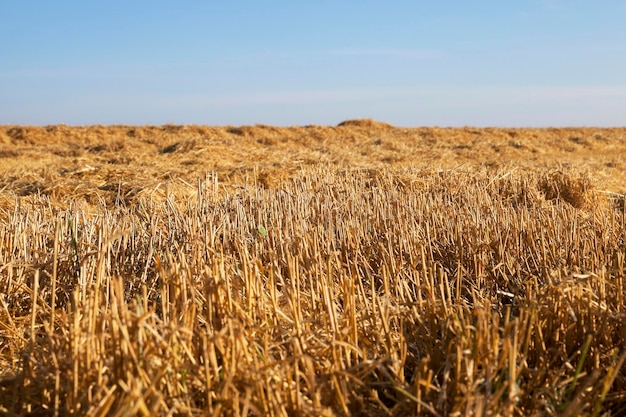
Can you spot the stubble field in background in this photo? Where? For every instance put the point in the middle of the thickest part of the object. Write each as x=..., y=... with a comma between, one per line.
x=362, y=269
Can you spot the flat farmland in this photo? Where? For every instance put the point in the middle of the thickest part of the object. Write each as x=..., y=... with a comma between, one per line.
x=89, y=162
x=359, y=269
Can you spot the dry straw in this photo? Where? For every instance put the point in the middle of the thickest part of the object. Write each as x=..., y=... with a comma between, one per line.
x=336, y=292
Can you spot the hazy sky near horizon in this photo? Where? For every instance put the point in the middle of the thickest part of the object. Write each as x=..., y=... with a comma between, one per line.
x=409, y=63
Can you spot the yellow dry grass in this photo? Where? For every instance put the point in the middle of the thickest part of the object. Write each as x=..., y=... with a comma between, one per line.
x=104, y=162
x=362, y=269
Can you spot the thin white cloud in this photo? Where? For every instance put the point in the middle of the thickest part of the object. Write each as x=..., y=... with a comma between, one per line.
x=434, y=96
x=420, y=53
x=550, y=4
x=290, y=97
x=484, y=94
x=391, y=52
x=546, y=93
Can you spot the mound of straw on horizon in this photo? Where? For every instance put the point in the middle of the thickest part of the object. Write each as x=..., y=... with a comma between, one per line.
x=365, y=123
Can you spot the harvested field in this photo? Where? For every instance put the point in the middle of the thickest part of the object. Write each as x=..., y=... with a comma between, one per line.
x=362, y=269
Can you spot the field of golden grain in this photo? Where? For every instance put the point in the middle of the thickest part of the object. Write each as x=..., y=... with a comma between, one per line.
x=362, y=269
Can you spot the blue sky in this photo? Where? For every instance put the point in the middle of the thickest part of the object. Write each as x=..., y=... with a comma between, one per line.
x=409, y=63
